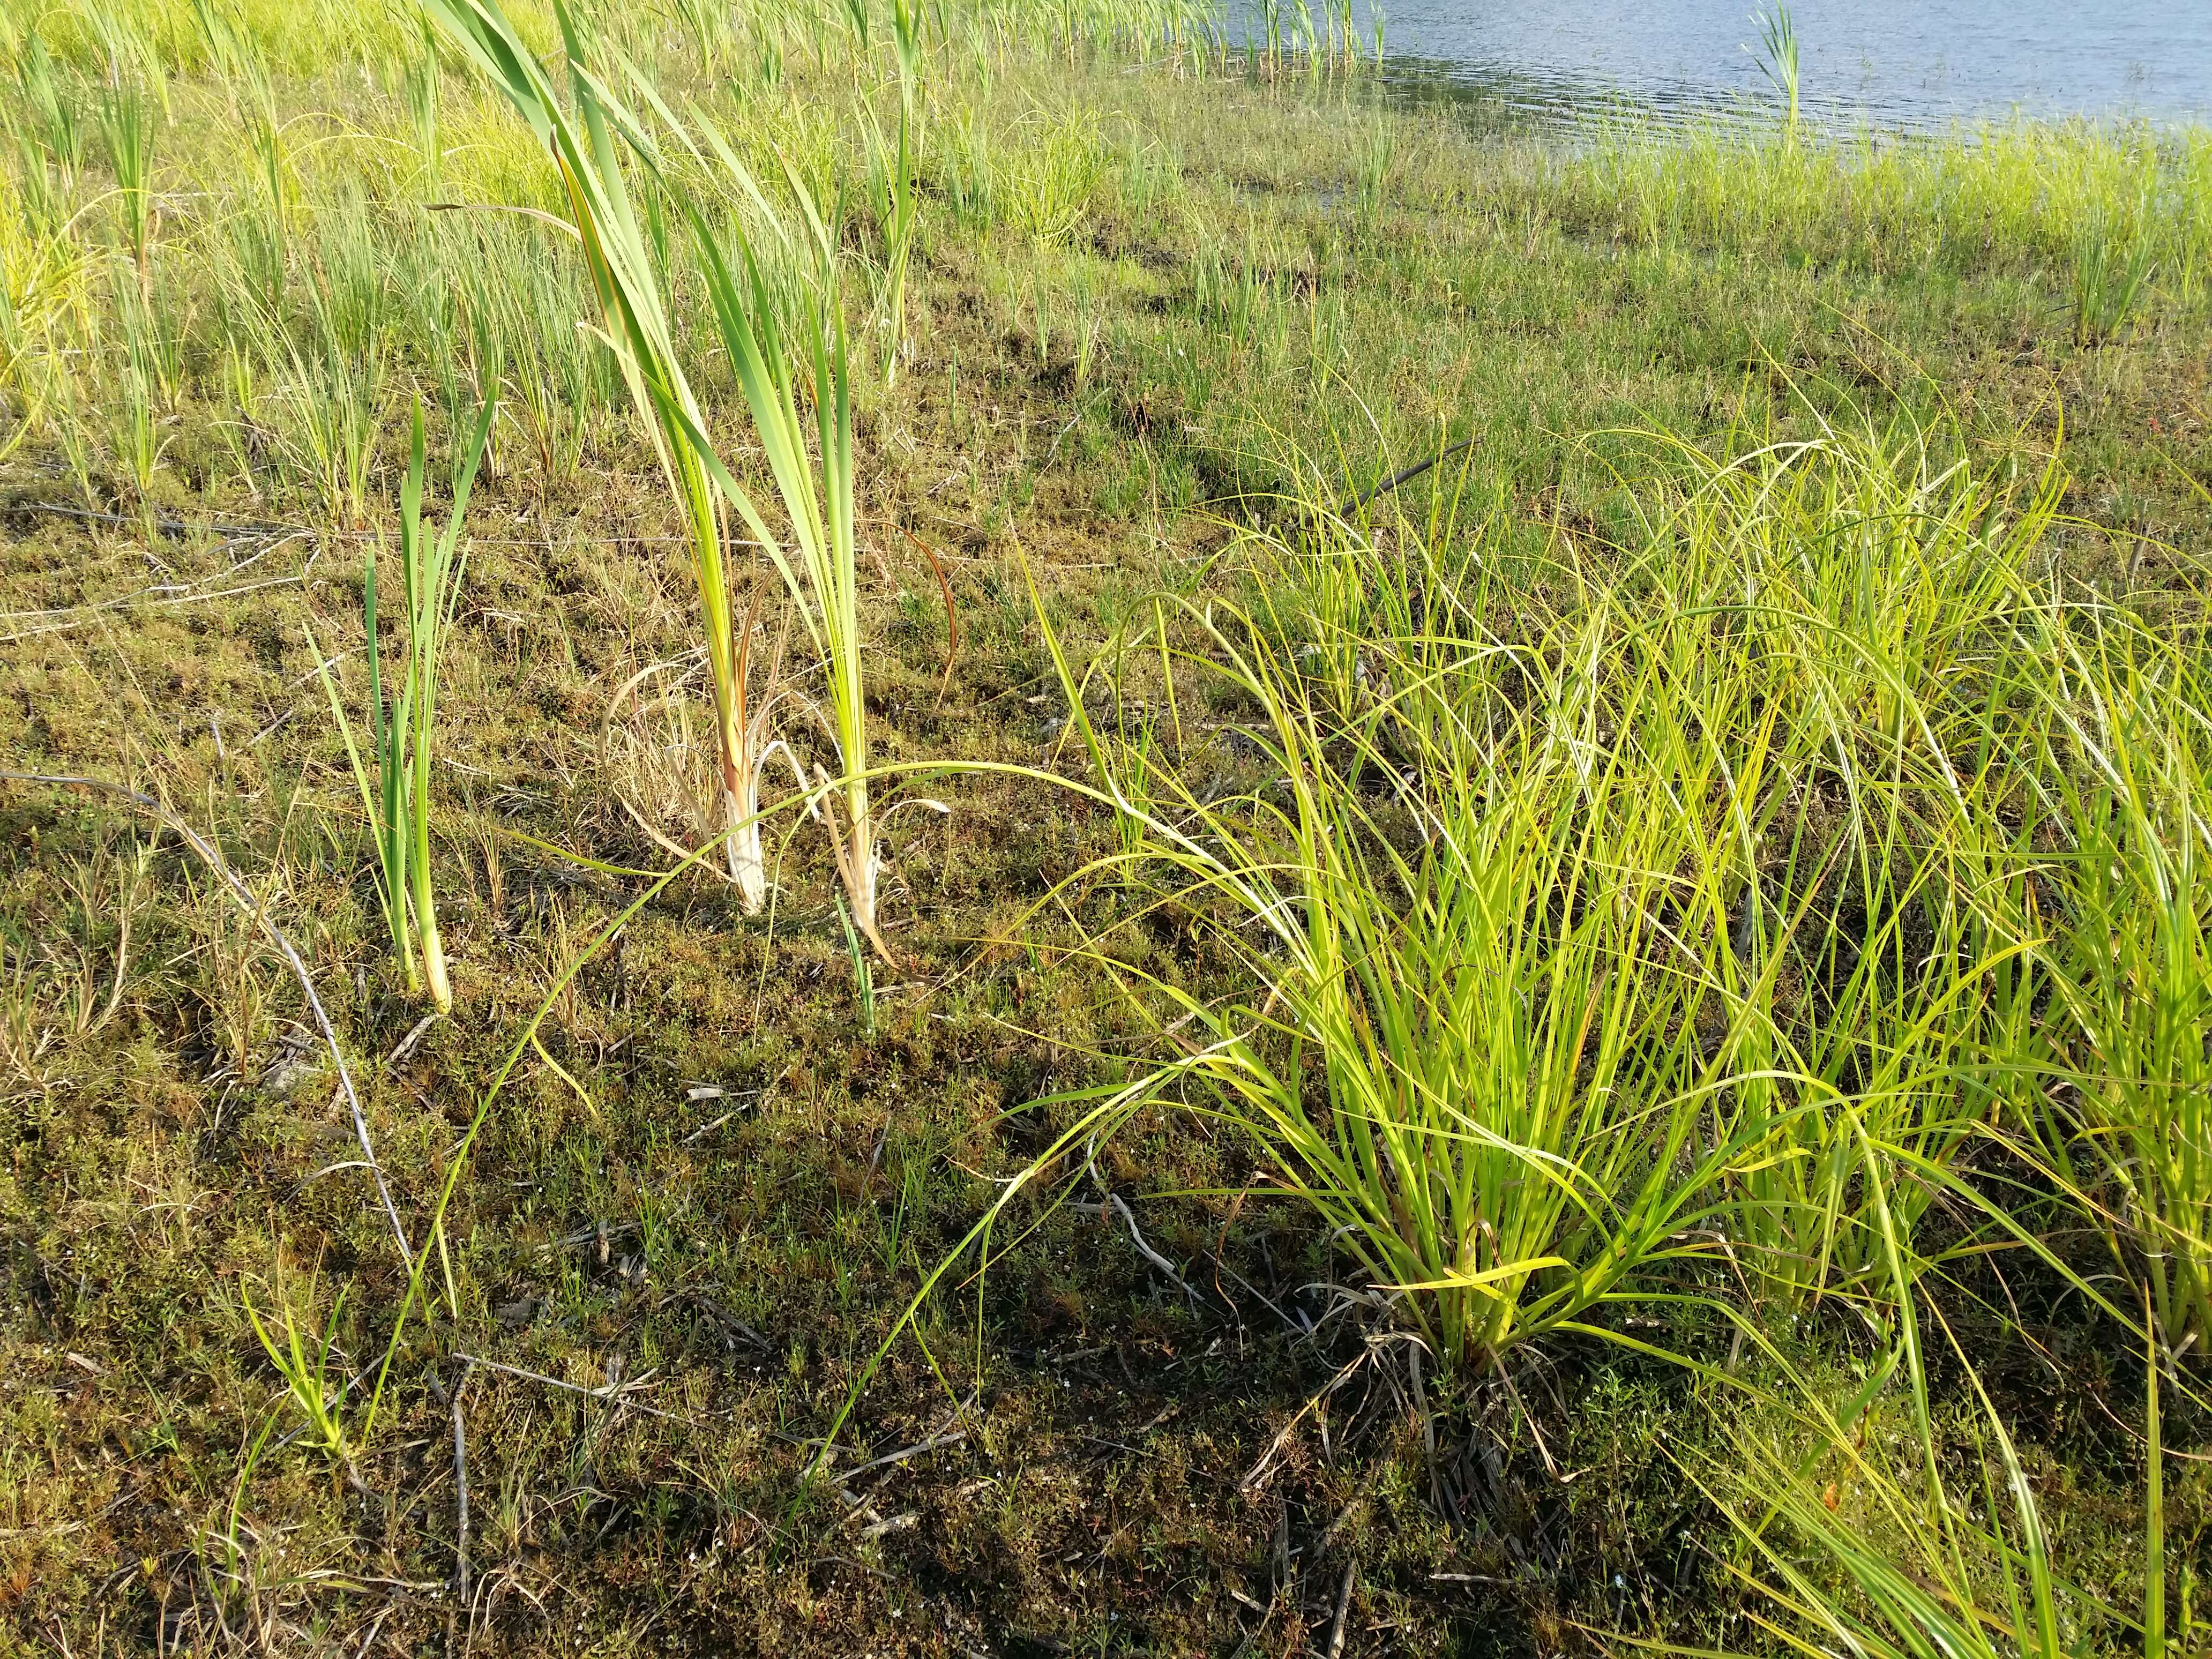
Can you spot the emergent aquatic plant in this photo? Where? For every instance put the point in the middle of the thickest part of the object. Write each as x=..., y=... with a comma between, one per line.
x=395, y=779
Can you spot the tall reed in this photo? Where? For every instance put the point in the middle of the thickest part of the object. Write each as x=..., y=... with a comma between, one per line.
x=814, y=483
x=51, y=98
x=627, y=284
x=1777, y=61
x=897, y=191
x=127, y=128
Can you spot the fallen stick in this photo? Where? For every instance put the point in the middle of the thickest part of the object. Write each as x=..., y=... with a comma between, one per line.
x=1343, y=1609
x=460, y=1498
x=905, y=1452
x=1406, y=476
x=243, y=896
x=613, y=1393
x=1121, y=1208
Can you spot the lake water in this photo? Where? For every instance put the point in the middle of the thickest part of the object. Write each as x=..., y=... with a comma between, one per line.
x=1892, y=63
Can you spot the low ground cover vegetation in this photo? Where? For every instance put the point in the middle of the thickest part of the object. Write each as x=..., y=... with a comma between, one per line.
x=982, y=828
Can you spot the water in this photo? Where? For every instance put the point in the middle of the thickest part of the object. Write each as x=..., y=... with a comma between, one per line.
x=1915, y=64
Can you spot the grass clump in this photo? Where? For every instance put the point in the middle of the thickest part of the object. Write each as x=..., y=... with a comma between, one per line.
x=395, y=781
x=1541, y=900
x=1447, y=908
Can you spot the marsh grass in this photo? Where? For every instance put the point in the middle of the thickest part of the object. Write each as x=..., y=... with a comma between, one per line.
x=1846, y=608
x=1855, y=1532
x=2110, y=270
x=333, y=390
x=2129, y=971
x=1607, y=873
x=2106, y=201
x=1549, y=913
x=1372, y=882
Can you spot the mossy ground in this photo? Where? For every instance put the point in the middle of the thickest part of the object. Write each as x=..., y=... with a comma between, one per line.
x=705, y=1220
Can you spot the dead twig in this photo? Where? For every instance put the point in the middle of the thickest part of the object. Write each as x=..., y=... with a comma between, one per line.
x=901, y=1456
x=615, y=1392
x=1343, y=1609
x=460, y=1496
x=412, y=1041
x=1121, y=1208
x=1265, y=1470
x=243, y=896
x=1258, y=1475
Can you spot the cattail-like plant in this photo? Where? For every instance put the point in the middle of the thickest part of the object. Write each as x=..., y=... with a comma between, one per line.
x=814, y=483
x=395, y=776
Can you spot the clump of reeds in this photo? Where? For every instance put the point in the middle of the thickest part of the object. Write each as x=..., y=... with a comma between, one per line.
x=394, y=778
x=2110, y=269
x=1449, y=915
x=1559, y=970
x=813, y=471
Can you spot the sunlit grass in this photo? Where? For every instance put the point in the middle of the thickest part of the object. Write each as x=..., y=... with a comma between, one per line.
x=1549, y=903
x=395, y=778
x=1736, y=869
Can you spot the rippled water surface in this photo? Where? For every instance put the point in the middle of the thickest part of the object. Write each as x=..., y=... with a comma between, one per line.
x=1895, y=63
